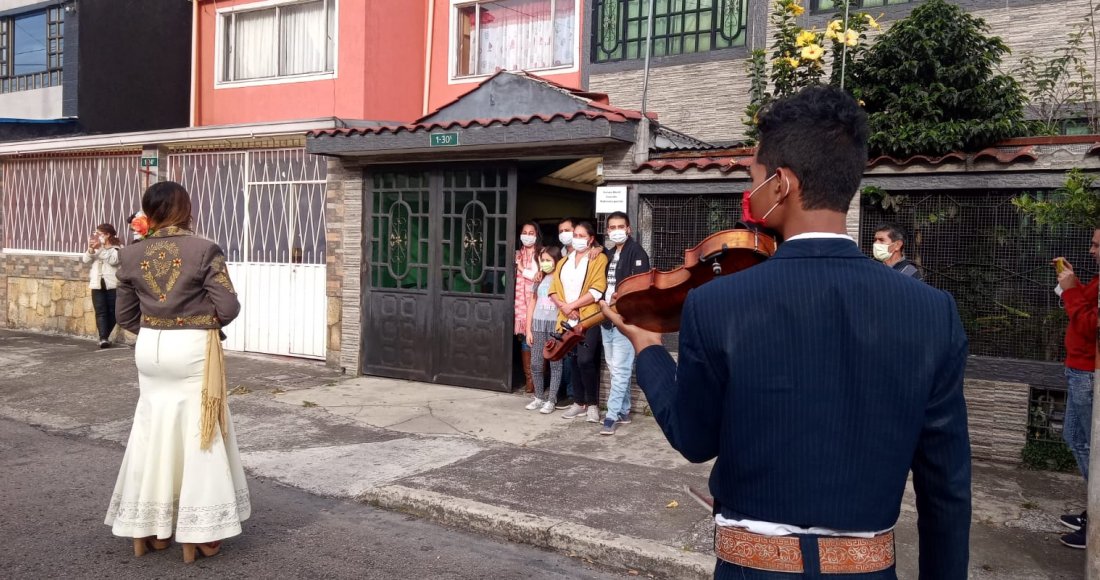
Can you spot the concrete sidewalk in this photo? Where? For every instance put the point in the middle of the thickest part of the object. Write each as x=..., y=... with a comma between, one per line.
x=478, y=460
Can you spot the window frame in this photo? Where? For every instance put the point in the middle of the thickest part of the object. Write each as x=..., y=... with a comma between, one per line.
x=53, y=76
x=452, y=42
x=815, y=6
x=617, y=63
x=223, y=18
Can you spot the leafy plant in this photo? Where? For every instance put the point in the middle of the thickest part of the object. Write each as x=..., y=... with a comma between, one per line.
x=1076, y=203
x=1048, y=456
x=799, y=56
x=929, y=86
x=1060, y=87
x=874, y=195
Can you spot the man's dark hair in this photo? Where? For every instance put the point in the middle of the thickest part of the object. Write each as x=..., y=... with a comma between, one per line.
x=618, y=215
x=566, y=219
x=820, y=134
x=895, y=233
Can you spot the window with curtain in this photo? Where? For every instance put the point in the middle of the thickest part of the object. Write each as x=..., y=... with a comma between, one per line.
x=619, y=27
x=514, y=35
x=281, y=41
x=31, y=46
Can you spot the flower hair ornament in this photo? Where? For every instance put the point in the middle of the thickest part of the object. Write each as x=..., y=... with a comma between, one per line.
x=140, y=226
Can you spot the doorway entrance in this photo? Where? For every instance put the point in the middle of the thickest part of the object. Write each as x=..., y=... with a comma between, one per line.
x=438, y=275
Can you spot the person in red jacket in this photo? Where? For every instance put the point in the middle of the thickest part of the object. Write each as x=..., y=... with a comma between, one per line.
x=1080, y=302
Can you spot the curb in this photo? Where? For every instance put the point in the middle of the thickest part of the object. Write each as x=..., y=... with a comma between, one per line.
x=600, y=546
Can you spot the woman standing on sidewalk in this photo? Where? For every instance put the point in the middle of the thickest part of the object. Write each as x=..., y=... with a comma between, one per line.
x=103, y=254
x=527, y=275
x=542, y=317
x=579, y=283
x=182, y=473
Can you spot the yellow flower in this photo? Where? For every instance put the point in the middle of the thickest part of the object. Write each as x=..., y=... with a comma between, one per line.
x=796, y=9
x=805, y=37
x=871, y=21
x=812, y=52
x=794, y=62
x=861, y=103
x=851, y=38
x=833, y=30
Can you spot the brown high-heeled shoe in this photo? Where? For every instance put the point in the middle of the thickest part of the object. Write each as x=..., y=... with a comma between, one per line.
x=207, y=550
x=143, y=545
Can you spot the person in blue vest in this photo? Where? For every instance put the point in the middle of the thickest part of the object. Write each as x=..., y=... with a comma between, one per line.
x=818, y=379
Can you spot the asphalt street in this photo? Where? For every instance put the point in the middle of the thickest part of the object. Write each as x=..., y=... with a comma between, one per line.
x=54, y=490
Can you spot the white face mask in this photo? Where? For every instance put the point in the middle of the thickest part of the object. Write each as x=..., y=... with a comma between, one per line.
x=527, y=240
x=617, y=236
x=881, y=252
x=580, y=244
x=565, y=238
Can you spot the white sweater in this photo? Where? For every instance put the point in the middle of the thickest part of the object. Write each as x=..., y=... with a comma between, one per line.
x=104, y=267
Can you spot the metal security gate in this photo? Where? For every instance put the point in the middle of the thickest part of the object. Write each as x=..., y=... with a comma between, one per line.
x=438, y=285
x=266, y=210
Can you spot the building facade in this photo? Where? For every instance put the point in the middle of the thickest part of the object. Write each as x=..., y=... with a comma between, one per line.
x=366, y=167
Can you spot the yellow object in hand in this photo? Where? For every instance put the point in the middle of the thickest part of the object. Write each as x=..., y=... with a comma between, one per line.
x=1059, y=265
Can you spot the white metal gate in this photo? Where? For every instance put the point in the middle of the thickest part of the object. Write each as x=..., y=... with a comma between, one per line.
x=266, y=209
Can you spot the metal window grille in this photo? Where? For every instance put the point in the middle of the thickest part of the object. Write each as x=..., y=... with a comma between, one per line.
x=1047, y=411
x=1044, y=447
x=54, y=35
x=679, y=27
x=53, y=205
x=827, y=5
x=994, y=260
x=670, y=224
x=260, y=206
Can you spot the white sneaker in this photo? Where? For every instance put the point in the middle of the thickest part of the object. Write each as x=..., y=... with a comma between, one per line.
x=534, y=404
x=573, y=411
x=593, y=414
x=547, y=408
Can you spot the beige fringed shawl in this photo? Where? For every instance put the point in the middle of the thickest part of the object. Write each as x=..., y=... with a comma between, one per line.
x=215, y=408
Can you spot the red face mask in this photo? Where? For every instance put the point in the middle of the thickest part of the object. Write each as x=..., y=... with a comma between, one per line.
x=746, y=205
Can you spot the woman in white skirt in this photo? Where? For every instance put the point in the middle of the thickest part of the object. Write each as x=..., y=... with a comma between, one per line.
x=181, y=475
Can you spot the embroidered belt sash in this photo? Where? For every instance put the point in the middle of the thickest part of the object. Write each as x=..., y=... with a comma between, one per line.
x=837, y=555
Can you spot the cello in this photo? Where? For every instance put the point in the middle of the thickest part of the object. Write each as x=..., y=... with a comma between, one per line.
x=653, y=300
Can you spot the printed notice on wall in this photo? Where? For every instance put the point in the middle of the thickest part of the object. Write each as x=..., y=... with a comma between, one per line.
x=610, y=199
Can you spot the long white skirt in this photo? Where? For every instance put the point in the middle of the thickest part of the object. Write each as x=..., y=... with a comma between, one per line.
x=166, y=484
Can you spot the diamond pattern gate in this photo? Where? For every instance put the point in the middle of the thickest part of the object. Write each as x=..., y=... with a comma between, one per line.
x=437, y=301
x=51, y=205
x=266, y=210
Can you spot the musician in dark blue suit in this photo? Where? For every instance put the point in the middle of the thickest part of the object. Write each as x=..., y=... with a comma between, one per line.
x=818, y=379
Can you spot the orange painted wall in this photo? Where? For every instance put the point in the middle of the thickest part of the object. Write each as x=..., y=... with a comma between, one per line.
x=380, y=63
x=442, y=91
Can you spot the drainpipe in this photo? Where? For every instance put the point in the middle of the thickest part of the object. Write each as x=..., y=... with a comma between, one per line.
x=428, y=55
x=641, y=139
x=194, y=60
x=648, y=49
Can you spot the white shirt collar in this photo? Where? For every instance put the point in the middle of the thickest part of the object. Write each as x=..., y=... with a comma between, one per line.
x=820, y=235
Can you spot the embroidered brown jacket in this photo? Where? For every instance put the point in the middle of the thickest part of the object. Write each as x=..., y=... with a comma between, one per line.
x=174, y=279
